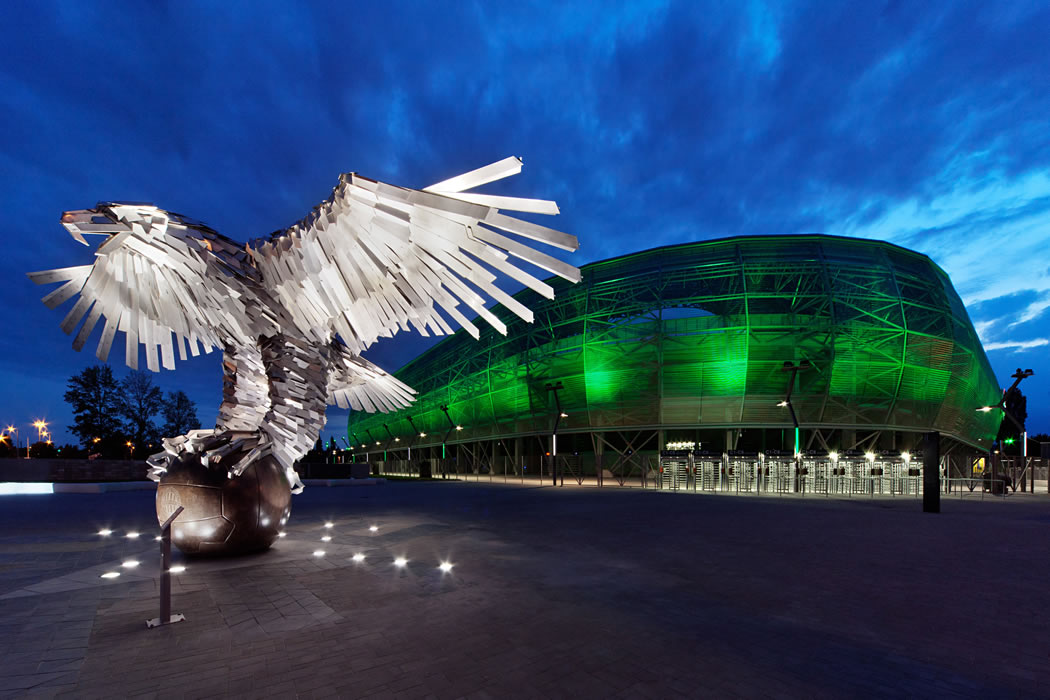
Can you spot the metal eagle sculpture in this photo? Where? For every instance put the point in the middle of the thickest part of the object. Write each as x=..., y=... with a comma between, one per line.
x=292, y=312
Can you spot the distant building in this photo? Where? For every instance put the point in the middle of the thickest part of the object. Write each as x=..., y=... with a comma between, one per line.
x=688, y=344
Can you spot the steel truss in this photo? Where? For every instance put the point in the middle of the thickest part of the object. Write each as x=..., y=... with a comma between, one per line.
x=693, y=337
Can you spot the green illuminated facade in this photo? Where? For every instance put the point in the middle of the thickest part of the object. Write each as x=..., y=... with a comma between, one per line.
x=694, y=337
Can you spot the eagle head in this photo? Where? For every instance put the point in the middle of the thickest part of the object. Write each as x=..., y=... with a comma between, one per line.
x=112, y=218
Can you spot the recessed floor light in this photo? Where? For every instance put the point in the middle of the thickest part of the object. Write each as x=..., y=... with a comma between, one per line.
x=446, y=566
x=318, y=552
x=326, y=538
x=400, y=561
x=329, y=525
x=373, y=529
x=282, y=533
x=110, y=574
x=105, y=532
x=130, y=563
x=358, y=557
x=176, y=569
x=133, y=535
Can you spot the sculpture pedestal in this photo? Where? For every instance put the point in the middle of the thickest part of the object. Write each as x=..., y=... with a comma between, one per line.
x=224, y=516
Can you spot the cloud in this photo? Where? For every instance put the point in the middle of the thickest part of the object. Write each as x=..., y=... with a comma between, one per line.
x=1017, y=345
x=651, y=123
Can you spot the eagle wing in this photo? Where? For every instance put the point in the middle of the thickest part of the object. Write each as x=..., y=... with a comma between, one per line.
x=160, y=283
x=375, y=258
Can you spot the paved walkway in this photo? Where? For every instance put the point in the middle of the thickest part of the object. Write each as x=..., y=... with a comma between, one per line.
x=556, y=592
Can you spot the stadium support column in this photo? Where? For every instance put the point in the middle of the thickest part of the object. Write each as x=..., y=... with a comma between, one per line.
x=931, y=472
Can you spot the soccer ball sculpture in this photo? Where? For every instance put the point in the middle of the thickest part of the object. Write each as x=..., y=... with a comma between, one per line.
x=292, y=312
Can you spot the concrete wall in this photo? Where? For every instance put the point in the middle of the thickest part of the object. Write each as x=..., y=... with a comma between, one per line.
x=71, y=470
x=82, y=470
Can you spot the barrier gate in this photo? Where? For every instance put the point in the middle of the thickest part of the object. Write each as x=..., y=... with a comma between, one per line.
x=853, y=471
x=742, y=470
x=779, y=471
x=707, y=470
x=887, y=472
x=674, y=469
x=816, y=467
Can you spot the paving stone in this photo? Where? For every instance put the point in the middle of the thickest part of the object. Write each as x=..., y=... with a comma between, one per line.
x=556, y=593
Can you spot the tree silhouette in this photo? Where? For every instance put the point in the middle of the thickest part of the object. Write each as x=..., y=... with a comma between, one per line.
x=141, y=400
x=94, y=396
x=180, y=415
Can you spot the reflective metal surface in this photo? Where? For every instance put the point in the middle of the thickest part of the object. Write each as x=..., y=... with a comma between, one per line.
x=224, y=515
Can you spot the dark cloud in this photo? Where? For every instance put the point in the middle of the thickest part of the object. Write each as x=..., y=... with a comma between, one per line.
x=652, y=124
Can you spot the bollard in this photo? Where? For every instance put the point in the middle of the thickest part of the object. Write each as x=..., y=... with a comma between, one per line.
x=166, y=618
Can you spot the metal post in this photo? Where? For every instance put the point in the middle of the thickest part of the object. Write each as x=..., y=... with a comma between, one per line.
x=931, y=472
x=555, y=387
x=791, y=367
x=444, y=441
x=166, y=618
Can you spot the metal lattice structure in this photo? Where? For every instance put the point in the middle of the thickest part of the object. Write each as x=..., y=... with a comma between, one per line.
x=695, y=336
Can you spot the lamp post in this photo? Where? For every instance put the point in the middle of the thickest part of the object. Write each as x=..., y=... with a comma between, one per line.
x=413, y=440
x=357, y=441
x=790, y=366
x=371, y=441
x=444, y=440
x=555, y=387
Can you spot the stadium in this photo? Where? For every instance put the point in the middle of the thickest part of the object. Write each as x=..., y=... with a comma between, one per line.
x=762, y=346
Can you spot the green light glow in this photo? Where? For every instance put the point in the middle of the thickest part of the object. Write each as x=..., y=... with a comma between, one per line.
x=695, y=335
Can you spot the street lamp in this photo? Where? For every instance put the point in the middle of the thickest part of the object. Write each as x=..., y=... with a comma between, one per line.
x=790, y=366
x=556, y=387
x=414, y=431
x=786, y=403
x=451, y=426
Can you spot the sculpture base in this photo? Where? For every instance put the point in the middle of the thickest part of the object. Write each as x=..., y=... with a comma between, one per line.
x=224, y=516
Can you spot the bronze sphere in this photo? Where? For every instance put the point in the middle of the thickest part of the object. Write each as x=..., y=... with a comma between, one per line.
x=224, y=516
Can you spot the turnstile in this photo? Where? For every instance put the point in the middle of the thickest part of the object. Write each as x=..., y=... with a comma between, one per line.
x=854, y=472
x=707, y=470
x=816, y=471
x=674, y=469
x=778, y=471
x=742, y=470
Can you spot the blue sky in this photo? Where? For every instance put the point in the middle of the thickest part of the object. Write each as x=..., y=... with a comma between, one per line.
x=924, y=124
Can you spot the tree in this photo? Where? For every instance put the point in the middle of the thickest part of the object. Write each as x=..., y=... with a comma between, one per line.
x=94, y=396
x=43, y=450
x=140, y=402
x=180, y=415
x=7, y=447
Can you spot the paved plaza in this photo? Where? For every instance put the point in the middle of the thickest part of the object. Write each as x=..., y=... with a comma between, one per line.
x=555, y=592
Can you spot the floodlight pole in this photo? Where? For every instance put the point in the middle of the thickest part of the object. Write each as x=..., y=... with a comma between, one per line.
x=390, y=438
x=371, y=441
x=555, y=387
x=415, y=433
x=357, y=441
x=444, y=440
x=790, y=366
x=166, y=618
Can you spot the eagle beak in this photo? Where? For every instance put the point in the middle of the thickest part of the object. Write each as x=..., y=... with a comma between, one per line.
x=90, y=221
